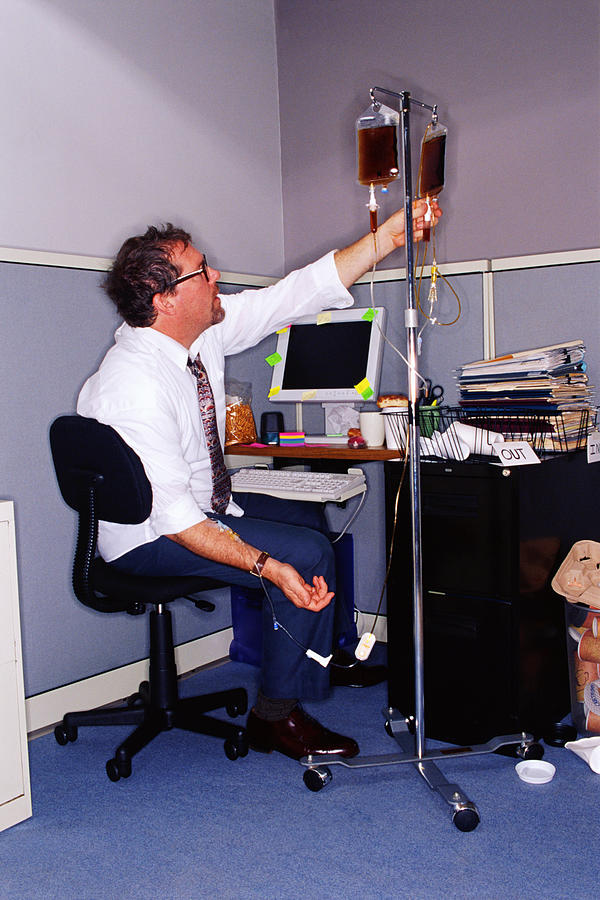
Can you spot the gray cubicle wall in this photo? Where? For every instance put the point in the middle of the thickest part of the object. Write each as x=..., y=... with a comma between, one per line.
x=57, y=324
x=545, y=305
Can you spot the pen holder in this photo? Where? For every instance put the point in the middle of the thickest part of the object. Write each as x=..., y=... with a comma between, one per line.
x=429, y=420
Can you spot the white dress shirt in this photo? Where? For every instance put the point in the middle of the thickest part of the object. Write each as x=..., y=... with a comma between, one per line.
x=145, y=391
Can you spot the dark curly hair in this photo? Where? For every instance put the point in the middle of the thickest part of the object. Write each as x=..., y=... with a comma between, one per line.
x=143, y=267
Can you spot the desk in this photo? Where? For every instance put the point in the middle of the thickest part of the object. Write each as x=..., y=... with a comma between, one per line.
x=316, y=451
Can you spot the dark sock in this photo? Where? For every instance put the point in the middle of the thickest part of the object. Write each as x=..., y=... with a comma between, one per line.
x=273, y=708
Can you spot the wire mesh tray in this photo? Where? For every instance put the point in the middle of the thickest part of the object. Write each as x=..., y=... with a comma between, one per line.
x=459, y=433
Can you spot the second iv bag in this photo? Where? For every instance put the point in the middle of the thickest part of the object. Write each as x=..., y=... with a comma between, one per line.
x=377, y=145
x=432, y=168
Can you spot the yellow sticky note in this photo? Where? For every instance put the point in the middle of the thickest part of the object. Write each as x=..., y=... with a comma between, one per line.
x=308, y=395
x=364, y=389
x=324, y=317
x=273, y=359
x=281, y=330
x=273, y=391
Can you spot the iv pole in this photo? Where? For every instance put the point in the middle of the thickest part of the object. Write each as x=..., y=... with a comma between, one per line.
x=464, y=812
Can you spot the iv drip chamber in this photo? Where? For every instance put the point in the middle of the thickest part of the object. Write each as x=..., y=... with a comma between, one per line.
x=377, y=145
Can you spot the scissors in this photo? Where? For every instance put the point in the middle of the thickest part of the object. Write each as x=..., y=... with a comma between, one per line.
x=430, y=394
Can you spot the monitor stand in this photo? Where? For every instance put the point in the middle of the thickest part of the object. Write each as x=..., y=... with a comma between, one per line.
x=339, y=417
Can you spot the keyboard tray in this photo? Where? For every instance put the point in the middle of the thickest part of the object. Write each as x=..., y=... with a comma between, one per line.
x=292, y=484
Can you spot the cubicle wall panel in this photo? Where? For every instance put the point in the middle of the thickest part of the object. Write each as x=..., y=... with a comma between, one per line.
x=56, y=326
x=443, y=347
x=549, y=305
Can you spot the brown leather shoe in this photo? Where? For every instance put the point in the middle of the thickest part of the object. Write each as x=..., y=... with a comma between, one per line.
x=297, y=736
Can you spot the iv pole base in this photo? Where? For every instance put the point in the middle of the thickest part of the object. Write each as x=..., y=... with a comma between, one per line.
x=465, y=815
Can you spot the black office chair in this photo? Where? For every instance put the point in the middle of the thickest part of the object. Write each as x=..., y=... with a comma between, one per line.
x=100, y=477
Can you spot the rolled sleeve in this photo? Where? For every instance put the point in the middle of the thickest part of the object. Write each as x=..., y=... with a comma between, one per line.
x=254, y=314
x=182, y=513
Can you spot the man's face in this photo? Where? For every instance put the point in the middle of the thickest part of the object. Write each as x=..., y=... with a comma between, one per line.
x=198, y=297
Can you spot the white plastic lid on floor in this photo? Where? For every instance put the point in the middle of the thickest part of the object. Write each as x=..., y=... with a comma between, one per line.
x=535, y=771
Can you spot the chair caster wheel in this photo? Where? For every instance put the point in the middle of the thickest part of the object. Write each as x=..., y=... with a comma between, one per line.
x=237, y=709
x=316, y=779
x=466, y=818
x=116, y=770
x=236, y=747
x=65, y=734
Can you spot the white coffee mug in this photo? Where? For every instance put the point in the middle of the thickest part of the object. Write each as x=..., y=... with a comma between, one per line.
x=372, y=428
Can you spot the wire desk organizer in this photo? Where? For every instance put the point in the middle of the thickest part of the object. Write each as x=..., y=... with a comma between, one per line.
x=409, y=733
x=467, y=434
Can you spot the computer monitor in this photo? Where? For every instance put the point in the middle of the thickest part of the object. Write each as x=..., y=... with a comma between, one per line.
x=325, y=357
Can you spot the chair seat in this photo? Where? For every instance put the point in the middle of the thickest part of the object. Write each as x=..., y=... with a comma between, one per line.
x=122, y=589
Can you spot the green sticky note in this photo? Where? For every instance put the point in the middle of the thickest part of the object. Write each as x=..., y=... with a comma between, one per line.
x=273, y=359
x=370, y=314
x=364, y=389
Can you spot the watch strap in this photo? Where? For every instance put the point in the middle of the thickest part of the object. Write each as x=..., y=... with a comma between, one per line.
x=259, y=564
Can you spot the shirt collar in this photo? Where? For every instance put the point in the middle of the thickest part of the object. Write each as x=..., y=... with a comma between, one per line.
x=149, y=337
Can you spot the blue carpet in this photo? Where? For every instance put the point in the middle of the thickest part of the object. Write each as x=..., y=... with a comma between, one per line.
x=190, y=823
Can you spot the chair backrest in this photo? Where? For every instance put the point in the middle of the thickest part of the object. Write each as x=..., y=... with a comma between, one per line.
x=101, y=477
x=87, y=453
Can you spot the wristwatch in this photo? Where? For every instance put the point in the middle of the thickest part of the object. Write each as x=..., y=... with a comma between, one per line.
x=259, y=564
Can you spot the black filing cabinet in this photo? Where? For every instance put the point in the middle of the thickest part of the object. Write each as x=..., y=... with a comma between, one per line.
x=494, y=635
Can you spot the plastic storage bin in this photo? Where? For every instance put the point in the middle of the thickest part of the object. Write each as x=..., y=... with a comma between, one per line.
x=578, y=580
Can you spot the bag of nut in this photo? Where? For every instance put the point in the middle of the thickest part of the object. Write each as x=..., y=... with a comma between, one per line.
x=239, y=419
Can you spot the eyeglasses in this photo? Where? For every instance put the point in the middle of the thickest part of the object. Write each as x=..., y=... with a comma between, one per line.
x=203, y=270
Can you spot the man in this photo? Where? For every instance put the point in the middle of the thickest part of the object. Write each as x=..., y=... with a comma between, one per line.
x=161, y=386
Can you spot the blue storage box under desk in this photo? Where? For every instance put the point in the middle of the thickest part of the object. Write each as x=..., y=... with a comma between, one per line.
x=246, y=609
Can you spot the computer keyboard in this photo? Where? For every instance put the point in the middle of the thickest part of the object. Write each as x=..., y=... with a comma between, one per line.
x=292, y=484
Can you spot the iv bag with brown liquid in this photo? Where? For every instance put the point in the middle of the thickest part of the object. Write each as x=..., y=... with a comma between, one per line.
x=432, y=168
x=377, y=145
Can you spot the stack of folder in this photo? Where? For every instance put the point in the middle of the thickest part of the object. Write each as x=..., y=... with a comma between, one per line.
x=548, y=384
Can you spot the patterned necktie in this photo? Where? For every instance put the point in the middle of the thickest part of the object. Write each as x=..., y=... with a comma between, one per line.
x=221, y=481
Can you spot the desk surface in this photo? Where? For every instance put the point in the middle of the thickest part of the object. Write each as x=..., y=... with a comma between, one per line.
x=315, y=451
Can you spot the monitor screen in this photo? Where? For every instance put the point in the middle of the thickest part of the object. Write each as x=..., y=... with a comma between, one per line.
x=324, y=358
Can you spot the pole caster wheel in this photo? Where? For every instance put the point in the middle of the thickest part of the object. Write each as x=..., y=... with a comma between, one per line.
x=466, y=818
x=529, y=751
x=316, y=779
x=65, y=734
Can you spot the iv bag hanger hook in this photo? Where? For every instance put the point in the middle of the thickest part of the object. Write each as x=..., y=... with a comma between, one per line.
x=399, y=95
x=374, y=101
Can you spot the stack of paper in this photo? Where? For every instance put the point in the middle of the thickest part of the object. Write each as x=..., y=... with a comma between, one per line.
x=544, y=393
x=547, y=378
